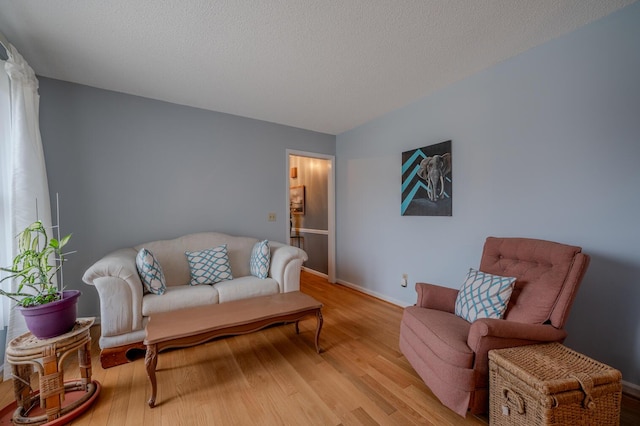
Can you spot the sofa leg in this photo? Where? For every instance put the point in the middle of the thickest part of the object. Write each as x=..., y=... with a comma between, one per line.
x=110, y=357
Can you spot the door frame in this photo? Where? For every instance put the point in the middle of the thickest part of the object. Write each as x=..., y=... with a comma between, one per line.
x=331, y=206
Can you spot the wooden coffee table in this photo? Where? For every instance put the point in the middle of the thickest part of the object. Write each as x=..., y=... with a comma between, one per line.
x=192, y=326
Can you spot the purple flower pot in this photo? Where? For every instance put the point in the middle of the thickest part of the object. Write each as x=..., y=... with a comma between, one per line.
x=52, y=319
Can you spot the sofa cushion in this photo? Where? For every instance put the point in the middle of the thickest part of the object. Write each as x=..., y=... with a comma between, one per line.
x=150, y=272
x=209, y=266
x=260, y=258
x=483, y=296
x=444, y=333
x=245, y=287
x=178, y=297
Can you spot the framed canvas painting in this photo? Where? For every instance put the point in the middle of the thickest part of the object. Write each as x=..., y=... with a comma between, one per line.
x=427, y=186
x=296, y=199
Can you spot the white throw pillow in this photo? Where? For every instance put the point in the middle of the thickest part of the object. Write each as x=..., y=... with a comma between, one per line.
x=209, y=266
x=150, y=272
x=483, y=296
x=260, y=259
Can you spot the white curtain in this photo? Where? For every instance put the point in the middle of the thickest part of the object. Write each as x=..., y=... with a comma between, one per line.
x=28, y=175
x=5, y=186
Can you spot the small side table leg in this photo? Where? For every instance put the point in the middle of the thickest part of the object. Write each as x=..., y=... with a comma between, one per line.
x=84, y=362
x=297, y=328
x=51, y=384
x=319, y=327
x=21, y=385
x=151, y=361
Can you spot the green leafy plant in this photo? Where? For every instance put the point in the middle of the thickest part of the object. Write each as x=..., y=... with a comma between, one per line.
x=38, y=261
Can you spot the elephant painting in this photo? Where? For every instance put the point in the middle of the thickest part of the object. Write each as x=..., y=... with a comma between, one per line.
x=433, y=170
x=427, y=181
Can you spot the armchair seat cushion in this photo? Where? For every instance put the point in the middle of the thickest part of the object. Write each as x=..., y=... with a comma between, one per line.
x=444, y=333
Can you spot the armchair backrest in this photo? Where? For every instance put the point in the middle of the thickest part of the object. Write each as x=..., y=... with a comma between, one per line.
x=547, y=274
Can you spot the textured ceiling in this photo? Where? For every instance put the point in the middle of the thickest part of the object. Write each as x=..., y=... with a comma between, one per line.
x=321, y=65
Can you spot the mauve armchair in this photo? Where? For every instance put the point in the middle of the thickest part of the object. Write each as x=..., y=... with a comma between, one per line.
x=451, y=354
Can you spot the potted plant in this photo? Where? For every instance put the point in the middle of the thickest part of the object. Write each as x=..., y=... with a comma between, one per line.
x=48, y=310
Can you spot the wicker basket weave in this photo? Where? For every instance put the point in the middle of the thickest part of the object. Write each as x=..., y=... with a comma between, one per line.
x=551, y=384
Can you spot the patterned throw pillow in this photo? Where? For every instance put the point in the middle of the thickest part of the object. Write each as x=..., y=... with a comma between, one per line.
x=209, y=266
x=483, y=296
x=260, y=259
x=150, y=272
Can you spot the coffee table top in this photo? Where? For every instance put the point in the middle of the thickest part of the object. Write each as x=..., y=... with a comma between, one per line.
x=187, y=322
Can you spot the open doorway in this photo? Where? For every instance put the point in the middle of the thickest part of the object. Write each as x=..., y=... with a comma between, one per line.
x=311, y=206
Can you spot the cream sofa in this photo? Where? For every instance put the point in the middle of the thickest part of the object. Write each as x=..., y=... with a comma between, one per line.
x=125, y=307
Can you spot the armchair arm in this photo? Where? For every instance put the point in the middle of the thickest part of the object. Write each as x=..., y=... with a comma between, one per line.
x=486, y=334
x=498, y=330
x=116, y=279
x=286, y=262
x=436, y=297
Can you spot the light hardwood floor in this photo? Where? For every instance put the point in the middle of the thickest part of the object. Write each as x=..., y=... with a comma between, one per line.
x=275, y=377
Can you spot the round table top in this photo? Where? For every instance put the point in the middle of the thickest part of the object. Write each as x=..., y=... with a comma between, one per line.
x=27, y=344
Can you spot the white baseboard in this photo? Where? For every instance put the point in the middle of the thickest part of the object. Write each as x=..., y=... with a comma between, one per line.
x=631, y=389
x=311, y=271
x=372, y=293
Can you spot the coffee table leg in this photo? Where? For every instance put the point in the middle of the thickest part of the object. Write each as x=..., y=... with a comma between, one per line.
x=151, y=361
x=319, y=327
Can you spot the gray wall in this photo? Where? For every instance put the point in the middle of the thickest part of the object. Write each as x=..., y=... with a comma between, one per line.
x=131, y=170
x=545, y=145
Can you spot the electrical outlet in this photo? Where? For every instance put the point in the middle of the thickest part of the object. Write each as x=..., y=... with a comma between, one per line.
x=271, y=217
x=405, y=280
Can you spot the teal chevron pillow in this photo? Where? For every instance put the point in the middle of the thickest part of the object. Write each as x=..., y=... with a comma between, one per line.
x=150, y=272
x=483, y=296
x=260, y=259
x=209, y=266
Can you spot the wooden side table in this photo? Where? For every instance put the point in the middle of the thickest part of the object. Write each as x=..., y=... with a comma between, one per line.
x=48, y=355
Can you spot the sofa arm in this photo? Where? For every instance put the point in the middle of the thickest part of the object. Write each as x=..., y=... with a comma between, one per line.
x=116, y=279
x=286, y=262
x=432, y=296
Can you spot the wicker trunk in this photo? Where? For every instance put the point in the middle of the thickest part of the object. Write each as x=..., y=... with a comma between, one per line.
x=551, y=384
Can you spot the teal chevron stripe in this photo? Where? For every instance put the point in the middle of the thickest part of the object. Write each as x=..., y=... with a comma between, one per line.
x=409, y=179
x=412, y=160
x=407, y=200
